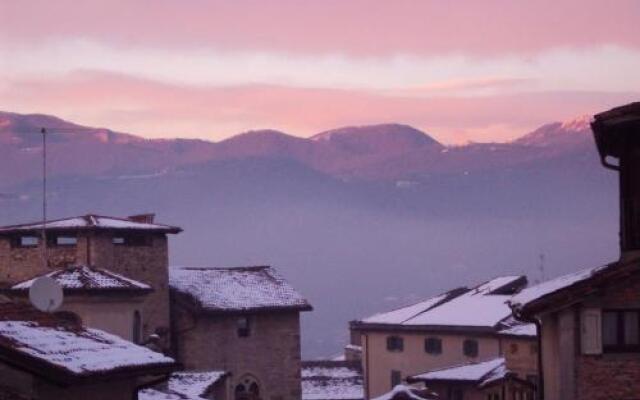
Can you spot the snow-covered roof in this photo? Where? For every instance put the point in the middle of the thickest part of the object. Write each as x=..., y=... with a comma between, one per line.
x=194, y=384
x=74, y=350
x=186, y=385
x=477, y=372
x=541, y=290
x=488, y=302
x=513, y=327
x=92, y=222
x=331, y=380
x=84, y=278
x=406, y=392
x=236, y=289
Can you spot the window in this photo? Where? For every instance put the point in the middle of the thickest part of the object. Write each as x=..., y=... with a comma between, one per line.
x=433, y=345
x=247, y=389
x=533, y=349
x=396, y=378
x=27, y=241
x=137, y=327
x=395, y=343
x=243, y=327
x=621, y=331
x=513, y=348
x=64, y=241
x=470, y=348
x=132, y=240
x=455, y=394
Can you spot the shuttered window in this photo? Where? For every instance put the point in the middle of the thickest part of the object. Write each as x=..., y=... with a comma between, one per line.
x=591, y=332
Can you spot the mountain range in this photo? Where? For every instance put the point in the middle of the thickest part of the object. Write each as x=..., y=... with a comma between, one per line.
x=359, y=219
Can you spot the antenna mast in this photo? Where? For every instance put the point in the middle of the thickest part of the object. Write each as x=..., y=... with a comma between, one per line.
x=45, y=256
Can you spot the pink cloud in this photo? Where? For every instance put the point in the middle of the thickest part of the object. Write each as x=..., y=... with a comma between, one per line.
x=162, y=110
x=355, y=27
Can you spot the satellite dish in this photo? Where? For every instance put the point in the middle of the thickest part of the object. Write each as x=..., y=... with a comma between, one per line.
x=45, y=294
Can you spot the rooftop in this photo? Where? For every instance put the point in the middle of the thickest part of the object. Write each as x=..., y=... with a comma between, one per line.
x=64, y=351
x=488, y=302
x=236, y=289
x=81, y=278
x=477, y=372
x=332, y=380
x=406, y=392
x=95, y=222
x=546, y=289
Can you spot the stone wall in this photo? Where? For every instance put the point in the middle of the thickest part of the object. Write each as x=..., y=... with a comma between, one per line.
x=270, y=354
x=148, y=264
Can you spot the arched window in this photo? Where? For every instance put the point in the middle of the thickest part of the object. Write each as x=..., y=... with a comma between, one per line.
x=137, y=327
x=247, y=389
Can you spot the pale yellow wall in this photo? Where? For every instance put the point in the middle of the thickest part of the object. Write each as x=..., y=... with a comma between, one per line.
x=110, y=315
x=524, y=361
x=378, y=362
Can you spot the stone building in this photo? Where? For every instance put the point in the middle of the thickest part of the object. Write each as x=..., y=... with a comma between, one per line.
x=50, y=357
x=590, y=320
x=459, y=327
x=135, y=247
x=245, y=321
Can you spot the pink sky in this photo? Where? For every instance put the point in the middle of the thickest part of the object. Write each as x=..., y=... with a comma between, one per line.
x=463, y=70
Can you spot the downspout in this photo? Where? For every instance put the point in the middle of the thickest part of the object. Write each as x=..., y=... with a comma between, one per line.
x=366, y=366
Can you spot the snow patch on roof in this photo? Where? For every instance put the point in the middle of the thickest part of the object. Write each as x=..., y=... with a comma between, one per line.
x=477, y=307
x=194, y=384
x=536, y=292
x=401, y=315
x=473, y=372
x=78, y=351
x=92, y=221
x=331, y=381
x=236, y=289
x=513, y=327
x=82, y=277
x=404, y=392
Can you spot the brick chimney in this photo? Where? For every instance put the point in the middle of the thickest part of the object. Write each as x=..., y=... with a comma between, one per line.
x=617, y=134
x=142, y=218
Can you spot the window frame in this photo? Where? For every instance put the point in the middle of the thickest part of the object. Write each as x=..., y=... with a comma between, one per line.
x=468, y=342
x=620, y=346
x=17, y=241
x=132, y=240
x=395, y=343
x=434, y=340
x=53, y=240
x=396, y=378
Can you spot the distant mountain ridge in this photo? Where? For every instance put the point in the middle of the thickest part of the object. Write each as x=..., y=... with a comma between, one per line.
x=373, y=152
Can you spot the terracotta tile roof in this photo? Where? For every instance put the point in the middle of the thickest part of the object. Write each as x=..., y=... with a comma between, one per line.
x=93, y=222
x=84, y=278
x=236, y=289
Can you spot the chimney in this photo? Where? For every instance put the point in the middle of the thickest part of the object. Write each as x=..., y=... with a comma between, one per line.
x=617, y=135
x=142, y=218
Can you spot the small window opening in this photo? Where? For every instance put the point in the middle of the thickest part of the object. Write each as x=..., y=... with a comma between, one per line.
x=395, y=343
x=396, y=378
x=243, y=327
x=470, y=348
x=433, y=345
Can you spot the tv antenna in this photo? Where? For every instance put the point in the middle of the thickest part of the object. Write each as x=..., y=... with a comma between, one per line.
x=45, y=255
x=45, y=294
